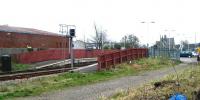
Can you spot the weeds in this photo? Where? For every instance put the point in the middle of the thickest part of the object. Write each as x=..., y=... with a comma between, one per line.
x=189, y=85
x=44, y=84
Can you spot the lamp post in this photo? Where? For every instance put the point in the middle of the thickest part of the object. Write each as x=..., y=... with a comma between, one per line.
x=188, y=46
x=148, y=23
x=195, y=40
x=169, y=41
x=181, y=37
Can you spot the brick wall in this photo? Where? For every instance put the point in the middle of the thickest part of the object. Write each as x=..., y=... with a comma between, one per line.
x=21, y=40
x=56, y=54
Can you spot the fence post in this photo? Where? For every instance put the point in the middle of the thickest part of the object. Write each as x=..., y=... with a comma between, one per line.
x=142, y=53
x=113, y=56
x=127, y=58
x=105, y=61
x=137, y=54
x=120, y=55
x=154, y=52
x=134, y=57
x=131, y=54
x=99, y=63
x=99, y=66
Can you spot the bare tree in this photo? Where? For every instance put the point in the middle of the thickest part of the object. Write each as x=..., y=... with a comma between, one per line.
x=184, y=45
x=100, y=38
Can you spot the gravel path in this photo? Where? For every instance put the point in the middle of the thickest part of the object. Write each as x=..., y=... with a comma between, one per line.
x=94, y=91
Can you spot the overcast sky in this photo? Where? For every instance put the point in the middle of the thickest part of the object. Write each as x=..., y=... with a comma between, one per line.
x=177, y=18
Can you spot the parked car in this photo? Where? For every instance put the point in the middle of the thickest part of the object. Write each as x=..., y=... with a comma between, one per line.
x=186, y=54
x=194, y=54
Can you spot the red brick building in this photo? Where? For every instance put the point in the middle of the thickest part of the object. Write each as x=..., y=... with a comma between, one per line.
x=17, y=37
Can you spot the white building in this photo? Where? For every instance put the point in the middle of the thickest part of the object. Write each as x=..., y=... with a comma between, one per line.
x=78, y=44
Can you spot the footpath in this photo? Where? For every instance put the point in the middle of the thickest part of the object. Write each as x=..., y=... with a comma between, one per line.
x=108, y=88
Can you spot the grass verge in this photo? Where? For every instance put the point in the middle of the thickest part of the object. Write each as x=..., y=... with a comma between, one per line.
x=20, y=67
x=189, y=85
x=44, y=84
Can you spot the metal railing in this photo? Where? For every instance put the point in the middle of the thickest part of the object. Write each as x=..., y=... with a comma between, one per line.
x=109, y=60
x=164, y=52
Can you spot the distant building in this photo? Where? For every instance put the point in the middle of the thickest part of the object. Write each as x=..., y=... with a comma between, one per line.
x=78, y=44
x=91, y=46
x=16, y=39
x=165, y=42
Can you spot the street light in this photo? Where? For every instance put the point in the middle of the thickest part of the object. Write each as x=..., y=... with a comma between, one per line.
x=169, y=36
x=181, y=37
x=187, y=38
x=148, y=22
x=195, y=40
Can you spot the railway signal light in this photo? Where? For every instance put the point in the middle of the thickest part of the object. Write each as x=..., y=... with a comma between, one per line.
x=72, y=32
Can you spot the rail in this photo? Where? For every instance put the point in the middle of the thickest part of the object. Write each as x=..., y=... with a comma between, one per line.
x=43, y=71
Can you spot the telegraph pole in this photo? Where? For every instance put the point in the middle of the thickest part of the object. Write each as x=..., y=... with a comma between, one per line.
x=195, y=40
x=148, y=23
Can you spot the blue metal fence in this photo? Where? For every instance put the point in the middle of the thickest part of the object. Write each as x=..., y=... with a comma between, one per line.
x=164, y=52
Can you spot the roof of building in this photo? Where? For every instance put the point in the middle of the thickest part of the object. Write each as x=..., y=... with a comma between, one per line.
x=6, y=28
x=79, y=41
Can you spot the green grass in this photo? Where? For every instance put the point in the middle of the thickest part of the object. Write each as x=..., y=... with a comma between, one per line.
x=19, y=67
x=189, y=81
x=61, y=81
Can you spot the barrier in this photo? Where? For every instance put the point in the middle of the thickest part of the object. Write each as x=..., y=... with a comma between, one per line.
x=109, y=60
x=56, y=54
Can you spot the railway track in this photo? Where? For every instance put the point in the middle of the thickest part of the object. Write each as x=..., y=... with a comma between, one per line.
x=39, y=72
x=26, y=75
